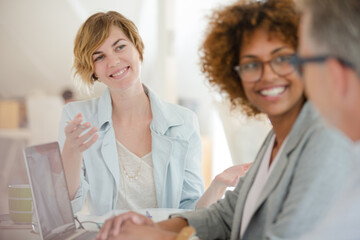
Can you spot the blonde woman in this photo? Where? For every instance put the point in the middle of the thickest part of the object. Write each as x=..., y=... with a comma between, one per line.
x=127, y=149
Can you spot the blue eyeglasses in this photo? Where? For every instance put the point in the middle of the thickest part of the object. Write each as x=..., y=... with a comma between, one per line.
x=298, y=62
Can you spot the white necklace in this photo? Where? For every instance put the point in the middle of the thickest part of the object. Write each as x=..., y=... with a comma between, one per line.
x=137, y=173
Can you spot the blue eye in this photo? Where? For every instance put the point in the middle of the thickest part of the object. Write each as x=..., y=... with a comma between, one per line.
x=98, y=58
x=120, y=47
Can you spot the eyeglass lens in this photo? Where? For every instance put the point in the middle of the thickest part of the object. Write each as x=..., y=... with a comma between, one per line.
x=253, y=71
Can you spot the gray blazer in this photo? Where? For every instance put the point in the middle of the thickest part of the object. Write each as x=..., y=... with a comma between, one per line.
x=310, y=172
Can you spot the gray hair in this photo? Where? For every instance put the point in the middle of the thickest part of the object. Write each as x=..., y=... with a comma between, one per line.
x=335, y=27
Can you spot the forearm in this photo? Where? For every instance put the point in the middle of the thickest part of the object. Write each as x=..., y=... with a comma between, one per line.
x=72, y=167
x=173, y=224
x=211, y=195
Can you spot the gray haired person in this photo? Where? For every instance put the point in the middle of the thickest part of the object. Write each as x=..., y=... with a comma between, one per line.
x=329, y=60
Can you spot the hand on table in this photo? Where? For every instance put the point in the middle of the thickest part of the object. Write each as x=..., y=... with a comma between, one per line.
x=131, y=231
x=113, y=226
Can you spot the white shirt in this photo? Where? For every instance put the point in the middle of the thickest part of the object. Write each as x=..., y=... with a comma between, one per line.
x=136, y=189
x=259, y=183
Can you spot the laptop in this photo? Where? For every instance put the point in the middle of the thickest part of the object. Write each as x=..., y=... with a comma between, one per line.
x=50, y=194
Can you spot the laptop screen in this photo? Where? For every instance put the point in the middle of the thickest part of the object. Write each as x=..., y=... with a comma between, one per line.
x=49, y=189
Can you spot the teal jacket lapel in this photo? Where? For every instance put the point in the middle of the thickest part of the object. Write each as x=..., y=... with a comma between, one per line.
x=108, y=147
x=163, y=146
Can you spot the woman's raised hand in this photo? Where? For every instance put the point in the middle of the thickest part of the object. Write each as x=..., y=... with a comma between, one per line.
x=79, y=137
x=76, y=140
x=230, y=176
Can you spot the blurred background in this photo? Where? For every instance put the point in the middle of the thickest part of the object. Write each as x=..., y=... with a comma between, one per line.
x=36, y=44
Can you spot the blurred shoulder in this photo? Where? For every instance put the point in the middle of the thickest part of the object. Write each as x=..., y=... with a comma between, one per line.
x=172, y=119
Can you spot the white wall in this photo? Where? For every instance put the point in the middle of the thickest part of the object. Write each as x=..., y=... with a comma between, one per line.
x=36, y=44
x=36, y=41
x=191, y=21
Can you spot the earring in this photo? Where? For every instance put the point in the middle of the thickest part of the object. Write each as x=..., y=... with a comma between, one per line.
x=93, y=77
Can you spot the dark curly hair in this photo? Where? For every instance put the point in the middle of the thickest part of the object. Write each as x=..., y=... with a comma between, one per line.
x=228, y=26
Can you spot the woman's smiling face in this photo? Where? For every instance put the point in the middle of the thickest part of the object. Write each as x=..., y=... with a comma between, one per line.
x=117, y=62
x=272, y=94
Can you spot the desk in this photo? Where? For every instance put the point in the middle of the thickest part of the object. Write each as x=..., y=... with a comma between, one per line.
x=157, y=215
x=21, y=232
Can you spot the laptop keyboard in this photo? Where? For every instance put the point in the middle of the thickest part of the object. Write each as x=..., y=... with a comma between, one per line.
x=86, y=236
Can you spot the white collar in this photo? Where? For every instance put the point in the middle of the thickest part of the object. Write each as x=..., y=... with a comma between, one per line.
x=164, y=114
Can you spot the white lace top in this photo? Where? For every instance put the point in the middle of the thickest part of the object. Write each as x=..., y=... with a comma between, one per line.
x=137, y=188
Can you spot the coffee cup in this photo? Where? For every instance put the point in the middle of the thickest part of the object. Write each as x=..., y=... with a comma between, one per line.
x=20, y=203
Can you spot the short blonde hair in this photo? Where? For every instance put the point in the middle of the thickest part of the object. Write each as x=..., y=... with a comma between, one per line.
x=93, y=33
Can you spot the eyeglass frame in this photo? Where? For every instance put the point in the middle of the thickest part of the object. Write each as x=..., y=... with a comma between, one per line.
x=263, y=63
x=298, y=62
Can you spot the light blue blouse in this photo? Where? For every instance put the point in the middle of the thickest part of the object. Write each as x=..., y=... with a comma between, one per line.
x=176, y=153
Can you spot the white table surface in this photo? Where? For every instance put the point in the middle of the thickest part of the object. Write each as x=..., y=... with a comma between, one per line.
x=157, y=214
x=21, y=232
